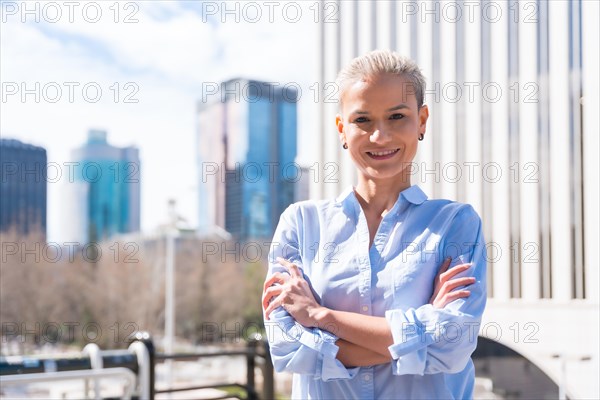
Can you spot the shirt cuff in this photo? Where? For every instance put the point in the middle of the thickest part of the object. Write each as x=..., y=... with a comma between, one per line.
x=410, y=364
x=321, y=341
x=332, y=369
x=328, y=366
x=409, y=350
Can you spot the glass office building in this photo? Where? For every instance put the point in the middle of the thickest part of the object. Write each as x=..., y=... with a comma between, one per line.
x=106, y=189
x=22, y=187
x=246, y=152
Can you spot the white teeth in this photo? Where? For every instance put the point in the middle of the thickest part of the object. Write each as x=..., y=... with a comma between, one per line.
x=383, y=153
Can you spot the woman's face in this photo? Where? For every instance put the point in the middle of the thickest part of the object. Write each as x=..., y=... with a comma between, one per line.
x=381, y=124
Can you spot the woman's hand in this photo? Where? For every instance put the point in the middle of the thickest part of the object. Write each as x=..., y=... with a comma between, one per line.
x=444, y=284
x=291, y=292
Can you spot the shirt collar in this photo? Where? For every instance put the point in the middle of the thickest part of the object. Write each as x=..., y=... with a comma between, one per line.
x=344, y=195
x=413, y=195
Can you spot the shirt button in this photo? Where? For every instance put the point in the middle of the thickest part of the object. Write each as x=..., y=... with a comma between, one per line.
x=367, y=378
x=365, y=308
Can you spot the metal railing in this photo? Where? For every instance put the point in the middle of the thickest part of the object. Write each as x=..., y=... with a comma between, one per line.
x=136, y=366
x=96, y=375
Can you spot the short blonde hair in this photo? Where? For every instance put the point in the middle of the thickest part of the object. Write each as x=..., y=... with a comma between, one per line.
x=379, y=62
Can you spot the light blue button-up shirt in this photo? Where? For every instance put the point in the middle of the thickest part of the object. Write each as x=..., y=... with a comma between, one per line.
x=329, y=241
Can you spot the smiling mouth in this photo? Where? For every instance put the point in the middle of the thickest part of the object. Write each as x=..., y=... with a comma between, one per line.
x=382, y=155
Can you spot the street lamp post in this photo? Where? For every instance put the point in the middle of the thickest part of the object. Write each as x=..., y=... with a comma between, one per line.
x=171, y=235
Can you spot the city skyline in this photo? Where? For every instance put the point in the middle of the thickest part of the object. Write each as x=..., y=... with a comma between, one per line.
x=148, y=92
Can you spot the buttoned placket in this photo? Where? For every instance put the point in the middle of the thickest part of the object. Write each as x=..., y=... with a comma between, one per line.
x=365, y=375
x=367, y=255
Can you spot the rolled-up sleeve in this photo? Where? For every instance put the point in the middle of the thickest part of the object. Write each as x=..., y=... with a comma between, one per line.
x=429, y=340
x=294, y=348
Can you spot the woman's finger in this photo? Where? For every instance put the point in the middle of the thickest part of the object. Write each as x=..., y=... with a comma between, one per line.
x=269, y=293
x=277, y=277
x=437, y=283
x=454, y=270
x=291, y=267
x=445, y=265
x=277, y=302
x=450, y=297
x=454, y=283
x=272, y=292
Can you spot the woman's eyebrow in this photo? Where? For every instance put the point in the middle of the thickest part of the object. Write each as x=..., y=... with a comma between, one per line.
x=398, y=107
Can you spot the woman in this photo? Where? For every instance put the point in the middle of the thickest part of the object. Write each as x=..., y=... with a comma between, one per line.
x=356, y=304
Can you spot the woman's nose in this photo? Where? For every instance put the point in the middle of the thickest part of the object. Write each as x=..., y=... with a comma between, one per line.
x=380, y=135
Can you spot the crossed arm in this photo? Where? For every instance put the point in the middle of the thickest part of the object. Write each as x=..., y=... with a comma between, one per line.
x=364, y=339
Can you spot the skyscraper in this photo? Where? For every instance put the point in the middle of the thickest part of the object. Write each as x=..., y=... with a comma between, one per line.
x=23, y=187
x=106, y=191
x=246, y=151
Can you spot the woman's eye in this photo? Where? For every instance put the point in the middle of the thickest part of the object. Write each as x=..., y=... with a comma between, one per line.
x=360, y=120
x=397, y=116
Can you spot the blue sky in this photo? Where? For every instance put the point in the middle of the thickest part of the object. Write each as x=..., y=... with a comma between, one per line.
x=166, y=51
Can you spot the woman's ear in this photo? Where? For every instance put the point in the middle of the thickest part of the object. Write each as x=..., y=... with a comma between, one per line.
x=340, y=128
x=423, y=116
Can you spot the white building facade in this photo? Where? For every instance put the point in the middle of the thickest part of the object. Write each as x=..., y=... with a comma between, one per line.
x=512, y=90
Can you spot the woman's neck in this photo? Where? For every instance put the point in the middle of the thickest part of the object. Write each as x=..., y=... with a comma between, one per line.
x=376, y=197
